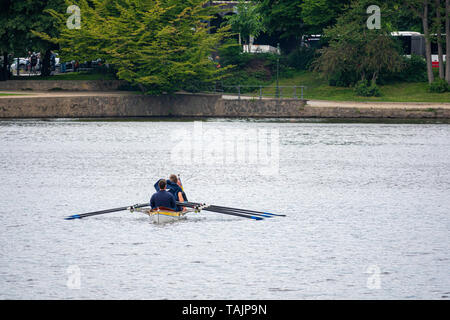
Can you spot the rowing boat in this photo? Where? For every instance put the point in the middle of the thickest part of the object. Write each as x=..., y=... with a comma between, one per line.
x=163, y=215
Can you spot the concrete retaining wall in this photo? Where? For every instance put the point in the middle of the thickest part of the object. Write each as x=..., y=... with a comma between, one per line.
x=128, y=105
x=188, y=105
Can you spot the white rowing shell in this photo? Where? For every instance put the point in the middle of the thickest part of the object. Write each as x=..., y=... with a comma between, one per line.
x=164, y=216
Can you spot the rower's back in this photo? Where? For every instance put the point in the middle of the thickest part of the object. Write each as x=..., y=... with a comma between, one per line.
x=162, y=198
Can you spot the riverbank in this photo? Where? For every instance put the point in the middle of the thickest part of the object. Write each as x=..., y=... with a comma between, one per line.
x=117, y=104
x=317, y=88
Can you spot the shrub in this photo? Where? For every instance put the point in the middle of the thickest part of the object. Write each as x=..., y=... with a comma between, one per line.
x=362, y=88
x=414, y=70
x=300, y=58
x=343, y=79
x=250, y=69
x=438, y=86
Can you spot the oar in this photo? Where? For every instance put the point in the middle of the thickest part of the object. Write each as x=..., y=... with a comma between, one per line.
x=239, y=211
x=94, y=213
x=252, y=211
x=233, y=213
x=218, y=210
x=206, y=208
x=245, y=210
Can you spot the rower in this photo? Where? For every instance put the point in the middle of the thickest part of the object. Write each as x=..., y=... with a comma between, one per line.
x=162, y=198
x=180, y=195
x=177, y=190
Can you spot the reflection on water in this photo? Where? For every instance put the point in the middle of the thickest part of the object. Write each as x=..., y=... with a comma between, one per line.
x=367, y=208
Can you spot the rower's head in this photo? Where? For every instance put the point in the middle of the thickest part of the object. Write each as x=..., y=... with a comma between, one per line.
x=173, y=178
x=162, y=184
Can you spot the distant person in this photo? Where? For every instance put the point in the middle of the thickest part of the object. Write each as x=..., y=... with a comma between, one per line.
x=218, y=62
x=39, y=61
x=28, y=63
x=33, y=62
x=162, y=198
x=52, y=61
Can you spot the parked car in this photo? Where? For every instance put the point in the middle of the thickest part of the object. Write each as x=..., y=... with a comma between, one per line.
x=22, y=64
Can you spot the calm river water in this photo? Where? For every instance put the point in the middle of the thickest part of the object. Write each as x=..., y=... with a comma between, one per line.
x=367, y=205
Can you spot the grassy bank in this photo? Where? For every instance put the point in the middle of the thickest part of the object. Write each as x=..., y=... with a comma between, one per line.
x=318, y=89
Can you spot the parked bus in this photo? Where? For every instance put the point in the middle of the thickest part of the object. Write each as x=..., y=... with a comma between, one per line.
x=414, y=43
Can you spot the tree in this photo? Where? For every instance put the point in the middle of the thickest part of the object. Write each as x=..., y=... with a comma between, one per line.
x=402, y=19
x=421, y=9
x=438, y=27
x=158, y=45
x=447, y=41
x=319, y=14
x=18, y=18
x=353, y=48
x=283, y=19
x=247, y=21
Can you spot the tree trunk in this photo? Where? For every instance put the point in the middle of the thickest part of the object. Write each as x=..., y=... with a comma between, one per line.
x=447, y=38
x=45, y=69
x=140, y=85
x=426, y=33
x=374, y=78
x=439, y=38
x=4, y=75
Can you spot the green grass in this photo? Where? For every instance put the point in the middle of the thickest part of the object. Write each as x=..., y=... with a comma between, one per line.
x=70, y=76
x=318, y=89
x=11, y=94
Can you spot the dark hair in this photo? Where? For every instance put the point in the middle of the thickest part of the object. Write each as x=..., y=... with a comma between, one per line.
x=173, y=178
x=162, y=184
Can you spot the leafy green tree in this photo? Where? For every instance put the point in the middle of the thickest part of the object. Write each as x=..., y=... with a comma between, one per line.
x=426, y=10
x=283, y=18
x=247, y=22
x=319, y=14
x=354, y=49
x=18, y=18
x=158, y=45
x=447, y=40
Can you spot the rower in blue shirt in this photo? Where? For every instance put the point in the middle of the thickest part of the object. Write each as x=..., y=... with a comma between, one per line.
x=162, y=198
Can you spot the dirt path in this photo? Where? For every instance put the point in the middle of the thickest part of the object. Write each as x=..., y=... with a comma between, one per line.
x=384, y=105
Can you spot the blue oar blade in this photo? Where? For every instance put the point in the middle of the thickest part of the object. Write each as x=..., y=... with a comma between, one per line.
x=75, y=216
x=270, y=214
x=275, y=215
x=257, y=218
